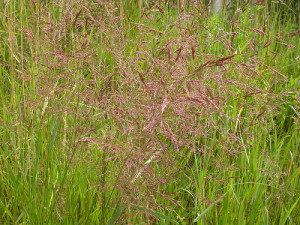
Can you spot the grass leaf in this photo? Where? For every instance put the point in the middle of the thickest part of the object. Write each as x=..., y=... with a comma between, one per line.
x=208, y=209
x=156, y=214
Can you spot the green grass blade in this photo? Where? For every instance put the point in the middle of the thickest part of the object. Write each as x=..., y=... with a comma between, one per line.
x=208, y=209
x=115, y=216
x=156, y=214
x=282, y=222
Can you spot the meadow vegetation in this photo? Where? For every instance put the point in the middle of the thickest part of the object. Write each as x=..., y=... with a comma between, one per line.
x=149, y=112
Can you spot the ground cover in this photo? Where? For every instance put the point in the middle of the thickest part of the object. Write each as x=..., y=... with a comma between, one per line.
x=149, y=112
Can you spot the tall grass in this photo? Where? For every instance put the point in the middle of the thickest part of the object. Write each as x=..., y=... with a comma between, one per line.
x=149, y=112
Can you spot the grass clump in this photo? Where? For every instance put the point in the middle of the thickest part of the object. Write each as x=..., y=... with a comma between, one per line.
x=145, y=112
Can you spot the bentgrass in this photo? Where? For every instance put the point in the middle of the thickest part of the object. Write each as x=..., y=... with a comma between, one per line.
x=146, y=112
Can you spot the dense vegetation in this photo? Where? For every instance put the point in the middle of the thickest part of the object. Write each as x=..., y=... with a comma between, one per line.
x=149, y=112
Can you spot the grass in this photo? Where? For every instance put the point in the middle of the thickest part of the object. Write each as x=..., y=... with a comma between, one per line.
x=149, y=112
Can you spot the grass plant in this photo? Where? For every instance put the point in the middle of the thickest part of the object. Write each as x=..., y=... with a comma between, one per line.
x=149, y=112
